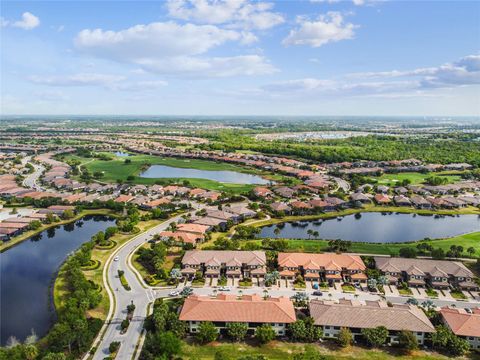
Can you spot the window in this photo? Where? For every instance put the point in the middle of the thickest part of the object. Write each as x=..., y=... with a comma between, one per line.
x=336, y=328
x=327, y=327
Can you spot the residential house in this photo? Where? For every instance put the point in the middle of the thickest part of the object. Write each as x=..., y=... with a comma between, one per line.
x=329, y=267
x=355, y=315
x=382, y=199
x=463, y=324
x=215, y=263
x=422, y=272
x=252, y=310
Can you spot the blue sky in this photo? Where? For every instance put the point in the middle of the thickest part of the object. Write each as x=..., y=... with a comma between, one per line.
x=232, y=57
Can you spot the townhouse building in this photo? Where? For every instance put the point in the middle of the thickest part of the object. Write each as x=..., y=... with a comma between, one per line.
x=424, y=272
x=355, y=315
x=252, y=310
x=329, y=267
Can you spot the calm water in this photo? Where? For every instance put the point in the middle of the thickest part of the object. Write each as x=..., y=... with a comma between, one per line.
x=162, y=171
x=380, y=228
x=121, y=154
x=27, y=271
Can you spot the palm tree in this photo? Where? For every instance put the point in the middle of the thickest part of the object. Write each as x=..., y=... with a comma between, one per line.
x=316, y=234
x=265, y=294
x=471, y=250
x=31, y=352
x=310, y=233
x=276, y=231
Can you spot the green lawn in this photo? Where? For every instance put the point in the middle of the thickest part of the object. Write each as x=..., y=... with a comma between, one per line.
x=116, y=169
x=414, y=177
x=466, y=240
x=278, y=350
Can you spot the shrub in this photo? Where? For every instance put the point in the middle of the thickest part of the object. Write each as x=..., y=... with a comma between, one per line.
x=114, y=346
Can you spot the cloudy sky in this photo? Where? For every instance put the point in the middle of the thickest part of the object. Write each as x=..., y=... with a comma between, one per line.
x=232, y=57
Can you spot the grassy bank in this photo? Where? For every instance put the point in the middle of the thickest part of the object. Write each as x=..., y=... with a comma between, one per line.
x=466, y=240
x=278, y=350
x=116, y=169
x=28, y=234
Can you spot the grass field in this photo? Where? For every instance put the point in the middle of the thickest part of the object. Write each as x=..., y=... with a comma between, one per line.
x=414, y=177
x=466, y=240
x=277, y=350
x=116, y=169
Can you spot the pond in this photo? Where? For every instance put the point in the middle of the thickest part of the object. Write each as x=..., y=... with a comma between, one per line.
x=379, y=227
x=121, y=154
x=27, y=272
x=224, y=176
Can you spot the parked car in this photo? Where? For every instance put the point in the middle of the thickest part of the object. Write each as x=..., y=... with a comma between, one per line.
x=174, y=293
x=116, y=258
x=317, y=293
x=187, y=291
x=224, y=288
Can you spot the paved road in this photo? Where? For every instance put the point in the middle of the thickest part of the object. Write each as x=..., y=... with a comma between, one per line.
x=140, y=296
x=31, y=180
x=342, y=183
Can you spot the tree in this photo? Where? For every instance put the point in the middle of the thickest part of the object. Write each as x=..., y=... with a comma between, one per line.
x=345, y=337
x=407, y=341
x=304, y=330
x=408, y=252
x=114, y=346
x=169, y=344
x=68, y=214
x=458, y=346
x=176, y=275
x=30, y=351
x=265, y=333
x=438, y=254
x=471, y=251
x=206, y=332
x=271, y=278
x=440, y=337
x=376, y=337
x=237, y=331
x=34, y=225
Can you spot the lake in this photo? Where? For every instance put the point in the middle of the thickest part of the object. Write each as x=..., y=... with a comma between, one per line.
x=224, y=176
x=121, y=154
x=379, y=227
x=27, y=271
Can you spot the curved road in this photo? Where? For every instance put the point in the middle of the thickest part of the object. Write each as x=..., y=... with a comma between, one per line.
x=140, y=296
x=30, y=180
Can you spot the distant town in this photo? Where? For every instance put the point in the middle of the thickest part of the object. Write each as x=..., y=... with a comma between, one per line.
x=194, y=243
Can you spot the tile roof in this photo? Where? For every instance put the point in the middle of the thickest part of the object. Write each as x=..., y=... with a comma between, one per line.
x=229, y=308
x=353, y=314
x=461, y=322
x=424, y=266
x=330, y=260
x=197, y=257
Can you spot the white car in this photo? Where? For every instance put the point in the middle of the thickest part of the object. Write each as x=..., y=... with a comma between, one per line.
x=116, y=258
x=224, y=288
x=174, y=293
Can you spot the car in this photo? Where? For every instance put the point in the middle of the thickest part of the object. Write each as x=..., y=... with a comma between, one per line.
x=116, y=258
x=174, y=293
x=186, y=291
x=224, y=288
x=317, y=293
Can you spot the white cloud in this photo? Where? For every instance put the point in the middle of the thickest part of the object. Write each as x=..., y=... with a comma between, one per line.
x=236, y=13
x=173, y=49
x=27, y=22
x=210, y=67
x=160, y=39
x=359, y=2
x=327, y=28
x=82, y=79
x=108, y=81
x=465, y=71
